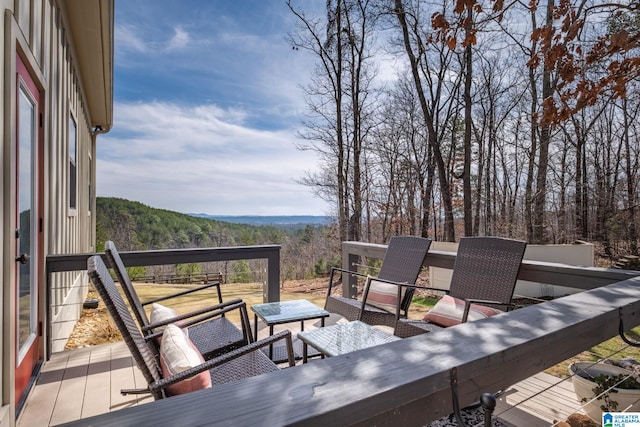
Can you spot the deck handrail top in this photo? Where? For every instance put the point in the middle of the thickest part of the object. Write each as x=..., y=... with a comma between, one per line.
x=407, y=382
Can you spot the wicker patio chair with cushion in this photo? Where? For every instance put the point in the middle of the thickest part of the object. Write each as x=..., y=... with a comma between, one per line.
x=179, y=367
x=216, y=336
x=383, y=301
x=482, y=284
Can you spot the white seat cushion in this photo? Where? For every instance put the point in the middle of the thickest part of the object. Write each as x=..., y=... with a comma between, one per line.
x=160, y=313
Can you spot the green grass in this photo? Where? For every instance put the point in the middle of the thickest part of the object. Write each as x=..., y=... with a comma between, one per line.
x=428, y=302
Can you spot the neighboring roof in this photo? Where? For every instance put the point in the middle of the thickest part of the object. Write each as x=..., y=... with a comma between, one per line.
x=91, y=26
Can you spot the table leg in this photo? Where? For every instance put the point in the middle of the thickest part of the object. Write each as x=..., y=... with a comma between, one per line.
x=270, y=345
x=255, y=327
x=321, y=353
x=305, y=353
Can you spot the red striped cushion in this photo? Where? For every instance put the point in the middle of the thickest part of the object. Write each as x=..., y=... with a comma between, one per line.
x=383, y=295
x=449, y=311
x=177, y=354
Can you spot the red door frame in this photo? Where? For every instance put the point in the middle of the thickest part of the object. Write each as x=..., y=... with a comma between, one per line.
x=25, y=369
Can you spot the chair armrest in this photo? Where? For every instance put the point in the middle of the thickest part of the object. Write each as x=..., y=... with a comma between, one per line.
x=469, y=301
x=186, y=292
x=208, y=312
x=217, y=361
x=410, y=285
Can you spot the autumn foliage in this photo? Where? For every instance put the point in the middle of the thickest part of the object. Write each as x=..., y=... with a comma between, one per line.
x=586, y=69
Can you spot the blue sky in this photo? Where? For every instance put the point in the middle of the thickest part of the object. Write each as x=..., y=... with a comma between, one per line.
x=206, y=107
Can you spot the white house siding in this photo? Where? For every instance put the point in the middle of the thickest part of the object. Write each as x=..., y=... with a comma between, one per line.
x=70, y=230
x=44, y=31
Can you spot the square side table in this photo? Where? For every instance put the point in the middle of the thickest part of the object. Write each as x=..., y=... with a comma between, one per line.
x=277, y=313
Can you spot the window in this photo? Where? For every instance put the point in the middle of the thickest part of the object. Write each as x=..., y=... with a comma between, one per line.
x=73, y=170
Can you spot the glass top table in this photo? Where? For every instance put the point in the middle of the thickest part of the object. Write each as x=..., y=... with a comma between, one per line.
x=344, y=338
x=277, y=313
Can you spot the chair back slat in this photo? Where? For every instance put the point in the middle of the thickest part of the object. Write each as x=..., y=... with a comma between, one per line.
x=145, y=355
x=487, y=268
x=404, y=258
x=403, y=262
x=115, y=261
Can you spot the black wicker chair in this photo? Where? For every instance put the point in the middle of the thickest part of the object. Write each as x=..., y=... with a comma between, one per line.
x=214, y=337
x=485, y=273
x=240, y=363
x=401, y=265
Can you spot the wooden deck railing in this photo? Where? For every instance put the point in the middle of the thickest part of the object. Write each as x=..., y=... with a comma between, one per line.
x=583, y=278
x=78, y=262
x=412, y=381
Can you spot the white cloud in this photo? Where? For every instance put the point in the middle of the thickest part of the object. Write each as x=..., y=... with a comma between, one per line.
x=201, y=159
x=179, y=40
x=205, y=100
x=127, y=39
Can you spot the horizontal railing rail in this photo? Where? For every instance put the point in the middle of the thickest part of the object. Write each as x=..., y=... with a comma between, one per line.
x=583, y=278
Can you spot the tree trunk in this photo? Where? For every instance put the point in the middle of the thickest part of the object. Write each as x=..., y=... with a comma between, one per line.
x=466, y=175
x=631, y=179
x=448, y=230
x=533, y=150
x=343, y=197
x=540, y=197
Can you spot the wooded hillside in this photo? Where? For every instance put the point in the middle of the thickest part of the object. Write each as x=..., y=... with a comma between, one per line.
x=135, y=226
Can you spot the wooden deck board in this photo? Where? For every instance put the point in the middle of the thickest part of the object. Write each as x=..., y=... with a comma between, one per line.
x=80, y=383
x=540, y=400
x=41, y=401
x=122, y=377
x=72, y=384
x=98, y=384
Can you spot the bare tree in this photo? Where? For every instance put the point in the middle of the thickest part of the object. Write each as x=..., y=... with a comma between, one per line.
x=414, y=46
x=404, y=163
x=630, y=116
x=337, y=127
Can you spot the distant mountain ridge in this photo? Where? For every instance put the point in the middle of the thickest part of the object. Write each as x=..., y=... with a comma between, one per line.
x=274, y=220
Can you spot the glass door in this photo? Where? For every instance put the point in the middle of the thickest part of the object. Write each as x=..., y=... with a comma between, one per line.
x=26, y=233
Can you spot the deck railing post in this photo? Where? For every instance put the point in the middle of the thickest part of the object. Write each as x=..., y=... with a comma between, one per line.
x=349, y=262
x=271, y=293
